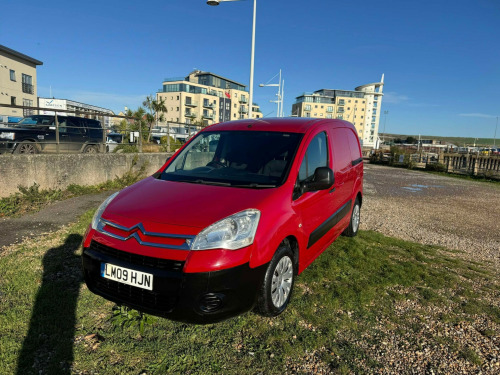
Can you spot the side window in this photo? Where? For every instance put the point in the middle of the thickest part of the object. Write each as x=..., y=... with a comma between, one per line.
x=200, y=153
x=74, y=126
x=316, y=156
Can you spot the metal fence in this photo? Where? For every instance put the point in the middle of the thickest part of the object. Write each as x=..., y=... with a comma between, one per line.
x=70, y=131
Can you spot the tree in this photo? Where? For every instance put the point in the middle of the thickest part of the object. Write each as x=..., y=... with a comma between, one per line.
x=411, y=140
x=156, y=110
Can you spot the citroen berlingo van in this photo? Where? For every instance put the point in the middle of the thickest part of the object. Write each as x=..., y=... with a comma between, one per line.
x=230, y=220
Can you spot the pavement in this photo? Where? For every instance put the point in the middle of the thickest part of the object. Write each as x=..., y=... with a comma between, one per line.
x=50, y=218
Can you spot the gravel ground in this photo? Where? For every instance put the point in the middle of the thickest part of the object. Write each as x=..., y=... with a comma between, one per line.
x=433, y=209
x=438, y=210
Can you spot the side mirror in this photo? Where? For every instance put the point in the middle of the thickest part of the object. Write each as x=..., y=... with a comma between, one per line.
x=323, y=179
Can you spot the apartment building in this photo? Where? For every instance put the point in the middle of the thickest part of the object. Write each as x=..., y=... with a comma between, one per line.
x=361, y=107
x=205, y=97
x=17, y=83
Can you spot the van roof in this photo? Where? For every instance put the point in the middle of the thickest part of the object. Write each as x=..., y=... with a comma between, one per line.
x=291, y=125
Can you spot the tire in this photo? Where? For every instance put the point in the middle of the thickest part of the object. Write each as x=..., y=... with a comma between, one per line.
x=26, y=147
x=89, y=149
x=352, y=229
x=277, y=286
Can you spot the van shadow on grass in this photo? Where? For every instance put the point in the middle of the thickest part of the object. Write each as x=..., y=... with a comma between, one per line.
x=48, y=346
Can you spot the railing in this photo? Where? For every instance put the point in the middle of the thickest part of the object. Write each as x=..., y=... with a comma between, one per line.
x=28, y=88
x=59, y=135
x=243, y=100
x=191, y=104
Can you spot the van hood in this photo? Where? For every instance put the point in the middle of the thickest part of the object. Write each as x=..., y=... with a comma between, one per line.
x=182, y=203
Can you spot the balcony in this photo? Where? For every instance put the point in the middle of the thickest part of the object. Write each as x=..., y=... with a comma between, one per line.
x=208, y=105
x=190, y=114
x=208, y=116
x=191, y=104
x=243, y=110
x=243, y=100
x=28, y=88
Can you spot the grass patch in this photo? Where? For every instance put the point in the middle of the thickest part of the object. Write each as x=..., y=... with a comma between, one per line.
x=343, y=307
x=32, y=199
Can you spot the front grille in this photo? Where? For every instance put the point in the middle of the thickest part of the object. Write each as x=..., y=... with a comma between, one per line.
x=140, y=260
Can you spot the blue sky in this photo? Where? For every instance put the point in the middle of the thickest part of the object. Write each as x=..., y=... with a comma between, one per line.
x=441, y=59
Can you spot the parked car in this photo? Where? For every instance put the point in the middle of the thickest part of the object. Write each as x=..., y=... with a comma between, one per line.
x=112, y=141
x=229, y=221
x=37, y=133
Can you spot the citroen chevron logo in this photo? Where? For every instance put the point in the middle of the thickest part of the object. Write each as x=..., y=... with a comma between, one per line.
x=140, y=228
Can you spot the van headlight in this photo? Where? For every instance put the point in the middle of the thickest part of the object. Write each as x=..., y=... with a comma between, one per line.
x=100, y=210
x=233, y=232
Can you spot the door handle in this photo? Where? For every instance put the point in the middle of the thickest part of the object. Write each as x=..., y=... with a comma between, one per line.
x=331, y=191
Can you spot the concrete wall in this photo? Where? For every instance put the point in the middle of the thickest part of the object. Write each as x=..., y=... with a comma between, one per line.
x=59, y=171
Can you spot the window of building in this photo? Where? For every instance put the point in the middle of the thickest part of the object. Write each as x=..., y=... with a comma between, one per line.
x=177, y=97
x=27, y=84
x=315, y=114
x=355, y=101
x=13, y=100
x=12, y=75
x=308, y=107
x=340, y=117
x=349, y=108
x=329, y=109
x=177, y=109
x=321, y=107
x=329, y=116
x=26, y=111
x=308, y=114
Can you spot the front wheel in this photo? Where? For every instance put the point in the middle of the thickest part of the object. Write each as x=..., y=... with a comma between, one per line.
x=276, y=289
x=352, y=229
x=26, y=147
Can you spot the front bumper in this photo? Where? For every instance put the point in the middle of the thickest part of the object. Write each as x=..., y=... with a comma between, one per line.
x=203, y=297
x=6, y=146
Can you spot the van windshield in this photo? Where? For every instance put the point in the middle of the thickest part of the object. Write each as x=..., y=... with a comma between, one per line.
x=255, y=159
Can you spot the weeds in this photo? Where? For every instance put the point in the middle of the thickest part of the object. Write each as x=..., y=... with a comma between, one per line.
x=125, y=317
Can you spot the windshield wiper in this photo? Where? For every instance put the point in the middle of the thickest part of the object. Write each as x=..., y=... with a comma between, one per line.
x=254, y=185
x=205, y=182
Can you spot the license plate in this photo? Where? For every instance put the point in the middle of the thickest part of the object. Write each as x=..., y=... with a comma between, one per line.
x=127, y=276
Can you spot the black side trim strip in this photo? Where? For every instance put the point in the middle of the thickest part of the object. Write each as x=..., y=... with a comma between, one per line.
x=329, y=224
x=357, y=161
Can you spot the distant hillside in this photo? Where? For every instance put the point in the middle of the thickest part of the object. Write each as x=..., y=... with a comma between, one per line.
x=457, y=141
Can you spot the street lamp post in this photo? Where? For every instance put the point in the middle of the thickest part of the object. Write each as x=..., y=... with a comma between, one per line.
x=495, y=136
x=217, y=2
x=279, y=100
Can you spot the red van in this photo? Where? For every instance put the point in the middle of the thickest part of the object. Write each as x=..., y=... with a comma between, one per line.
x=229, y=221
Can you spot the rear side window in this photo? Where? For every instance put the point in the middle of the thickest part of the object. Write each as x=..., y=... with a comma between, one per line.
x=353, y=144
x=341, y=150
x=316, y=156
